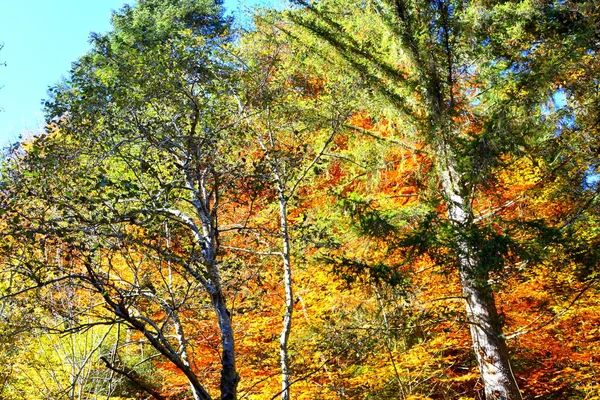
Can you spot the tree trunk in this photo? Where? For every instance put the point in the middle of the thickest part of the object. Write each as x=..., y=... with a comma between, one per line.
x=208, y=241
x=485, y=326
x=488, y=343
x=180, y=336
x=229, y=375
x=289, y=300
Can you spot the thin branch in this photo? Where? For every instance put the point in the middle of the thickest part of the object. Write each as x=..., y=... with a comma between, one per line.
x=43, y=284
x=311, y=165
x=133, y=377
x=524, y=330
x=384, y=139
x=260, y=253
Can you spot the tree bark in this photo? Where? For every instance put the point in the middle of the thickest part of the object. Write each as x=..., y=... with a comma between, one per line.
x=206, y=202
x=485, y=325
x=229, y=375
x=488, y=343
x=289, y=299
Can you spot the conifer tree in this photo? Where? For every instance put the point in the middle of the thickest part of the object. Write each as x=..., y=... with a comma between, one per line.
x=469, y=82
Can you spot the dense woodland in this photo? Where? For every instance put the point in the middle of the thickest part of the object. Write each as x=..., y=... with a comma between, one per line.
x=377, y=199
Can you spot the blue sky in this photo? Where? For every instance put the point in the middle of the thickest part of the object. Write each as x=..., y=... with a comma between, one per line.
x=41, y=39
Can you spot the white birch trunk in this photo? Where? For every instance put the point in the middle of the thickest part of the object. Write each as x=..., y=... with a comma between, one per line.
x=289, y=300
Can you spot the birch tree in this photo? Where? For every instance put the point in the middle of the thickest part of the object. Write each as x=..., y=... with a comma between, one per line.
x=293, y=116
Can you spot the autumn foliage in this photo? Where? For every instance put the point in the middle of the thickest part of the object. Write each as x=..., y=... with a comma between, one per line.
x=189, y=181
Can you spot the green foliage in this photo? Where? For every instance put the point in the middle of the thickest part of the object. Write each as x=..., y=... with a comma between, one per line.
x=367, y=219
x=354, y=271
x=156, y=21
x=134, y=141
x=411, y=147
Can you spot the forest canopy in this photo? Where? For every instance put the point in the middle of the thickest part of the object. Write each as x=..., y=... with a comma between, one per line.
x=380, y=199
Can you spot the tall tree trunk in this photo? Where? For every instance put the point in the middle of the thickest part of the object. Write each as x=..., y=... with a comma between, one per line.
x=486, y=332
x=485, y=325
x=289, y=299
x=208, y=240
x=229, y=375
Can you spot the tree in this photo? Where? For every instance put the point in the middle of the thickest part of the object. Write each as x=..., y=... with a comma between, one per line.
x=295, y=118
x=471, y=88
x=389, y=155
x=138, y=138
